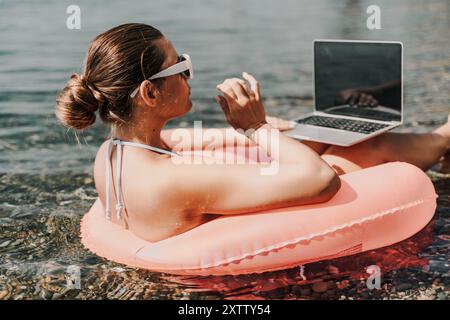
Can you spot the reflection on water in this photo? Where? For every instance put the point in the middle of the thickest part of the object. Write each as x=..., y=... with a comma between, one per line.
x=46, y=178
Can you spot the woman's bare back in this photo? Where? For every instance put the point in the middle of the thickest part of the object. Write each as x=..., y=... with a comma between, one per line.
x=151, y=210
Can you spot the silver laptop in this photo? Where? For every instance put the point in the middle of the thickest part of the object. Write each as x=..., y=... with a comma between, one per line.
x=358, y=92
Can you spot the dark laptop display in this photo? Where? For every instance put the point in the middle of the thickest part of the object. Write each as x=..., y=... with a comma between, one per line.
x=361, y=80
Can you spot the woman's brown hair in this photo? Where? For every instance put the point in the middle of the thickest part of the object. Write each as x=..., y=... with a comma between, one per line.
x=117, y=61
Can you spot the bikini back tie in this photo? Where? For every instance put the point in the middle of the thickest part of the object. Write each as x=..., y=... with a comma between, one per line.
x=120, y=143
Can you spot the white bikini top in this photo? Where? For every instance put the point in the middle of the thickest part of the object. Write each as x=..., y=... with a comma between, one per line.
x=120, y=144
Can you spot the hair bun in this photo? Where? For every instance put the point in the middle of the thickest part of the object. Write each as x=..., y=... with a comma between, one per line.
x=77, y=103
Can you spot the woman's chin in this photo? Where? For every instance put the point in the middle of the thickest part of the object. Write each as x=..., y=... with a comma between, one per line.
x=186, y=109
x=189, y=104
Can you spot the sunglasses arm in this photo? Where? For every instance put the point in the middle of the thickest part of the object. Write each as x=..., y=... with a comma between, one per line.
x=176, y=68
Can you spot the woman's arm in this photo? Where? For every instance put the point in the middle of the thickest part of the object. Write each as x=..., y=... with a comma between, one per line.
x=242, y=188
x=230, y=136
x=201, y=139
x=300, y=175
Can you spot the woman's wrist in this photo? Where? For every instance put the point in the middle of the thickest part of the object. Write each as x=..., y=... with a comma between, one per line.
x=253, y=133
x=259, y=125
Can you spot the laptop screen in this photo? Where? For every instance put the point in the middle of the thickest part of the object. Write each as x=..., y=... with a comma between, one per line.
x=359, y=79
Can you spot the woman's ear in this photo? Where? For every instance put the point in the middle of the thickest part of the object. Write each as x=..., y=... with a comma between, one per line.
x=149, y=93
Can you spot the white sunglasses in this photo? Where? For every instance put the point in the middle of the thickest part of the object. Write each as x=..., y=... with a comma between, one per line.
x=184, y=66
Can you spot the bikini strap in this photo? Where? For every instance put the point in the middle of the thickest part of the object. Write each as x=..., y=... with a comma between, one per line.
x=145, y=146
x=107, y=175
x=120, y=144
x=119, y=204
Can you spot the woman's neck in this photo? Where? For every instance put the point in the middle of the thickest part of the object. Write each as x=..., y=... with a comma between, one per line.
x=146, y=132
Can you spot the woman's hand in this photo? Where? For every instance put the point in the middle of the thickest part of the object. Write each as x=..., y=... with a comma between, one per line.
x=241, y=105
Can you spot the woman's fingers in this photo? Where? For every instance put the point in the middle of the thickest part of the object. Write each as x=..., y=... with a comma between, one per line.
x=227, y=91
x=240, y=105
x=254, y=85
x=231, y=81
x=222, y=102
x=234, y=89
x=228, y=83
x=240, y=92
x=224, y=105
x=224, y=88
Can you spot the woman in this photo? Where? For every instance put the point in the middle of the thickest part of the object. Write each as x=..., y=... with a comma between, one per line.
x=136, y=80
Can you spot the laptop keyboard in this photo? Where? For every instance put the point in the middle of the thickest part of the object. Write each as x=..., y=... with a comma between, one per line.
x=343, y=124
x=366, y=113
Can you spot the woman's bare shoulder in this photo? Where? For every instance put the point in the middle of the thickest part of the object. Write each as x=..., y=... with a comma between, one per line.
x=99, y=164
x=101, y=155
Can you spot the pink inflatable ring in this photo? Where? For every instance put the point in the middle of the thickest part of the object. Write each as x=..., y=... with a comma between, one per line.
x=375, y=207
